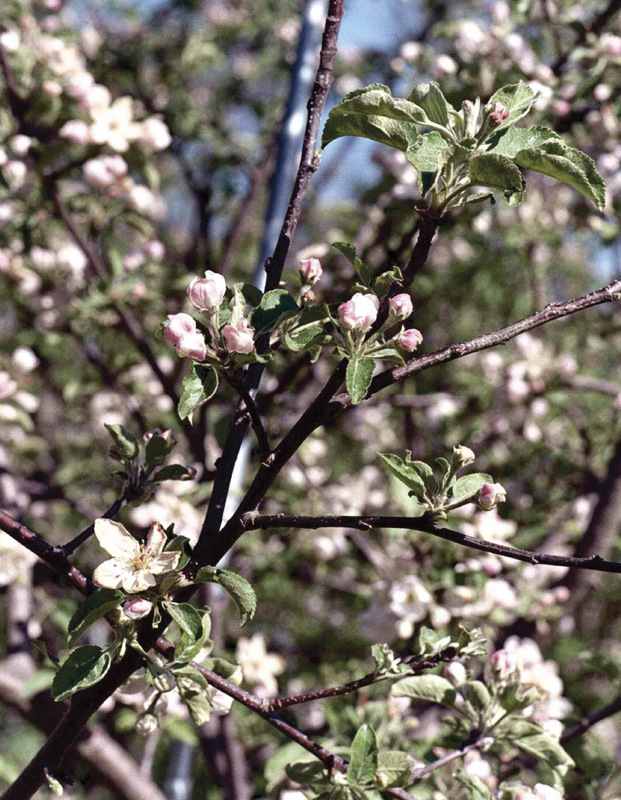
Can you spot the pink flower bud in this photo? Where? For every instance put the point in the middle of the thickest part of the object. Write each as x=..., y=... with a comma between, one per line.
x=455, y=673
x=489, y=495
x=75, y=131
x=462, y=456
x=497, y=112
x=116, y=166
x=192, y=345
x=310, y=271
x=400, y=307
x=178, y=325
x=308, y=296
x=359, y=313
x=207, y=293
x=505, y=663
x=409, y=340
x=239, y=338
x=137, y=608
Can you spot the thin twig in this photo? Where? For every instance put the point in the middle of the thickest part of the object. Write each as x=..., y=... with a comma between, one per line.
x=86, y=534
x=274, y=267
x=330, y=760
x=257, y=423
x=425, y=525
x=425, y=772
x=417, y=666
x=551, y=312
x=52, y=556
x=592, y=719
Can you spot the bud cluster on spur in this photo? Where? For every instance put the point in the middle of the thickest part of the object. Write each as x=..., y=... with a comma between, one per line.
x=230, y=321
x=440, y=494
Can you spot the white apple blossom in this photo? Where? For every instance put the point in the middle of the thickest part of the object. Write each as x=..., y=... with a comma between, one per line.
x=24, y=360
x=258, y=666
x=153, y=134
x=114, y=125
x=133, y=565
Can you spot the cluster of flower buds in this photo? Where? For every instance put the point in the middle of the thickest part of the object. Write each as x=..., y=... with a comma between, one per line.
x=489, y=495
x=496, y=112
x=358, y=315
x=181, y=332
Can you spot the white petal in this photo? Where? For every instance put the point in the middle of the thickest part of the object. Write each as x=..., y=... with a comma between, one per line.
x=109, y=575
x=113, y=537
x=165, y=562
x=138, y=580
x=156, y=539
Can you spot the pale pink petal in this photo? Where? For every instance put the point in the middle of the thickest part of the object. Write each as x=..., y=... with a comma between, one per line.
x=156, y=539
x=165, y=562
x=138, y=581
x=109, y=575
x=113, y=537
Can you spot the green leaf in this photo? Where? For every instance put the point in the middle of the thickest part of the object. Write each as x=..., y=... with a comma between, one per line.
x=475, y=788
x=300, y=340
x=196, y=699
x=93, y=608
x=431, y=688
x=388, y=354
x=377, y=129
x=394, y=768
x=379, y=102
x=466, y=487
x=83, y=668
x=510, y=141
x=383, y=282
x=426, y=153
x=308, y=773
x=189, y=647
x=499, y=172
x=125, y=442
x=517, y=98
x=273, y=305
x=252, y=294
x=387, y=664
x=430, y=98
x=240, y=590
x=179, y=544
x=199, y=385
x=187, y=618
x=157, y=451
x=404, y=473
x=547, y=749
x=172, y=472
x=570, y=166
x=358, y=377
x=362, y=271
x=363, y=762
x=477, y=694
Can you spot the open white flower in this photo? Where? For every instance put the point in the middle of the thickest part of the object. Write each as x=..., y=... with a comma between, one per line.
x=133, y=564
